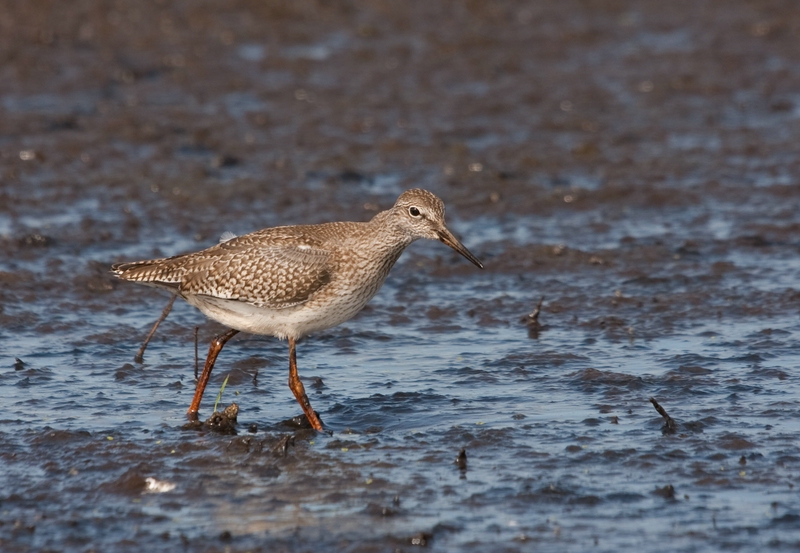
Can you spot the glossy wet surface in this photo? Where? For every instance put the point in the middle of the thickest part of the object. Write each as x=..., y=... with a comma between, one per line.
x=634, y=163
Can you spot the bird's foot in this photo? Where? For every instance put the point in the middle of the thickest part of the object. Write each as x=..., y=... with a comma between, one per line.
x=302, y=422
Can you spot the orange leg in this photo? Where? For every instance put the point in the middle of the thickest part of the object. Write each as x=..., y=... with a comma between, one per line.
x=213, y=351
x=298, y=390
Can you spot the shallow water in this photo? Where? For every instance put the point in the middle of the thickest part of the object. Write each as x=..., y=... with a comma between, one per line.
x=632, y=163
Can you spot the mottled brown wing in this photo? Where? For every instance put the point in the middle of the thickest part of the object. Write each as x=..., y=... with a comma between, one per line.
x=275, y=276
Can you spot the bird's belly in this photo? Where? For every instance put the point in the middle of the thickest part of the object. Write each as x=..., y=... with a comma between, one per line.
x=296, y=321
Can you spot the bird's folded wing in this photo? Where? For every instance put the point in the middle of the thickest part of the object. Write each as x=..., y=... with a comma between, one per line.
x=275, y=276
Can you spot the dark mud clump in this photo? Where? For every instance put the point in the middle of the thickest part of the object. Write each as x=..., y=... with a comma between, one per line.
x=222, y=422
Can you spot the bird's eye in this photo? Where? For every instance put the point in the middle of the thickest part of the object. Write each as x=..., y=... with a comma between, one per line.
x=414, y=211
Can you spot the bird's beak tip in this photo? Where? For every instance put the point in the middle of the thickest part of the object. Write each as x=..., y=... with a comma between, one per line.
x=447, y=238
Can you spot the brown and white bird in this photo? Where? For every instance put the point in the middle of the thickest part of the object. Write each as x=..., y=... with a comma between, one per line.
x=292, y=281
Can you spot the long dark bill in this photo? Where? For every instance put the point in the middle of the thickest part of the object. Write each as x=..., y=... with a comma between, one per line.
x=447, y=237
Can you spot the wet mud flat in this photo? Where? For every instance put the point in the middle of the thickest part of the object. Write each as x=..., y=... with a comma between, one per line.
x=634, y=163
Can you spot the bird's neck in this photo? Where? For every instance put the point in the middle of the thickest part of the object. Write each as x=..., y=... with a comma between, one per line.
x=389, y=234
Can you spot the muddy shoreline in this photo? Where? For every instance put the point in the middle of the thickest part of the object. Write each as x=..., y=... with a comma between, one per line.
x=634, y=163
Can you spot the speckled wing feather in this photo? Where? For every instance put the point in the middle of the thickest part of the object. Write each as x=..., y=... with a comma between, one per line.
x=278, y=275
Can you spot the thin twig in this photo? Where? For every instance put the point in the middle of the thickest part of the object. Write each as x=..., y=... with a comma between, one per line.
x=531, y=320
x=461, y=460
x=670, y=426
x=139, y=358
x=196, y=359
